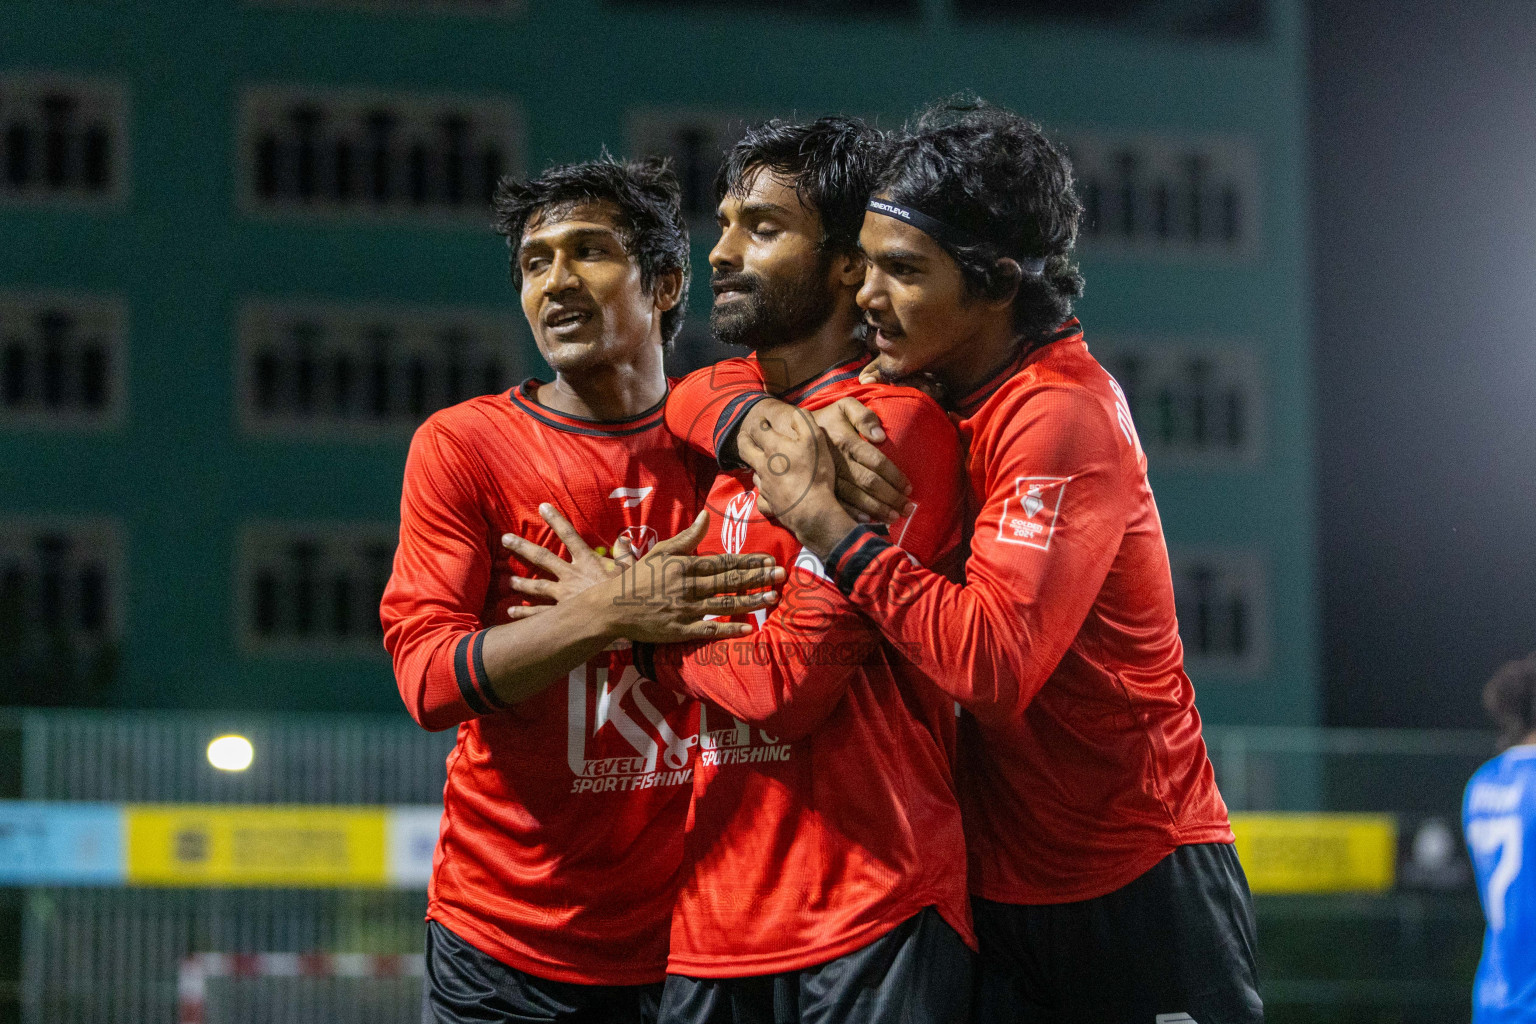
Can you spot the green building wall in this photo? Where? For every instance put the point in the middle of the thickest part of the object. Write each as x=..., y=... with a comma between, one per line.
x=179, y=477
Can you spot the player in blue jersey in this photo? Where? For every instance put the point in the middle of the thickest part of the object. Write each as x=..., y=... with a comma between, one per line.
x=1499, y=815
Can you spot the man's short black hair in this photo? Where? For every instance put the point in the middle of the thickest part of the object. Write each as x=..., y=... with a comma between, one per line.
x=1510, y=698
x=645, y=193
x=996, y=177
x=832, y=162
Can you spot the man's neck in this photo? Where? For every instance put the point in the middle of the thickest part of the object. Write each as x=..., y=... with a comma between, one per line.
x=795, y=362
x=978, y=358
x=614, y=391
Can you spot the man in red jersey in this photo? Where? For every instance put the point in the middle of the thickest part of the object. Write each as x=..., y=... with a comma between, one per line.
x=558, y=859
x=1101, y=861
x=824, y=876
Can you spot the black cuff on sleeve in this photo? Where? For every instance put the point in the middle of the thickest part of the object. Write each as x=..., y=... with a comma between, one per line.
x=465, y=663
x=477, y=655
x=852, y=555
x=725, y=429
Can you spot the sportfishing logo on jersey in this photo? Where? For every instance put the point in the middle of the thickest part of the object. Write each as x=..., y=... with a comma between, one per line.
x=641, y=538
x=1029, y=517
x=619, y=738
x=737, y=742
x=733, y=525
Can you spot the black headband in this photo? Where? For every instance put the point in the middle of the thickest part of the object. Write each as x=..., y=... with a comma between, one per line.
x=946, y=235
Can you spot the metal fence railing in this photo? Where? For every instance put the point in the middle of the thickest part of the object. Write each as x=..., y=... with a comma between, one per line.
x=113, y=953
x=1412, y=772
x=385, y=759
x=162, y=758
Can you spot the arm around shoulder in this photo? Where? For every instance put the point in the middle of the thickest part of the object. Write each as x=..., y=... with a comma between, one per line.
x=705, y=408
x=1058, y=499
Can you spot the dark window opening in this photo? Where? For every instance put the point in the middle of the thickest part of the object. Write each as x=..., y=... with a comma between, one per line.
x=1206, y=19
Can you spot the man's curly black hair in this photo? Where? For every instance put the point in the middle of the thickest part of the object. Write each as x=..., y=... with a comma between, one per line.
x=645, y=193
x=1510, y=698
x=832, y=162
x=995, y=176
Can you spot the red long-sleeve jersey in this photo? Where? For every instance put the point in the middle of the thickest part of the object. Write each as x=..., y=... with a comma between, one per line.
x=1081, y=759
x=824, y=811
x=561, y=840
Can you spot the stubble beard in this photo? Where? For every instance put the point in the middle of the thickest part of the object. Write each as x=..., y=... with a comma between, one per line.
x=772, y=313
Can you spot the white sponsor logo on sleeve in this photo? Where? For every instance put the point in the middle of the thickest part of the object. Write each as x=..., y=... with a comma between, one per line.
x=898, y=531
x=1029, y=517
x=1123, y=417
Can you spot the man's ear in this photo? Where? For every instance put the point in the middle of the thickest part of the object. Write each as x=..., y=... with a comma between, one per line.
x=848, y=269
x=669, y=285
x=1005, y=283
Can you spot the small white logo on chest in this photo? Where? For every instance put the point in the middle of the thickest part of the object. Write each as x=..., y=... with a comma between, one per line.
x=733, y=526
x=631, y=496
x=641, y=538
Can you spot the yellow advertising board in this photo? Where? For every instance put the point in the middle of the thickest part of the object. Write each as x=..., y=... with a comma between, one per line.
x=203, y=845
x=1311, y=853
x=198, y=845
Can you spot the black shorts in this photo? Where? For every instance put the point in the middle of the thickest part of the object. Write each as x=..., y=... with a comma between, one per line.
x=1176, y=946
x=464, y=985
x=918, y=973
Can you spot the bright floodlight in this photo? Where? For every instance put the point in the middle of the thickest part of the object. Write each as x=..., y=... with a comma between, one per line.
x=231, y=753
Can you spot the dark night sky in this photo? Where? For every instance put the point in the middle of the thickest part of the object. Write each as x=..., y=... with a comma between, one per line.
x=1424, y=263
